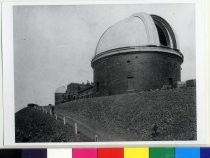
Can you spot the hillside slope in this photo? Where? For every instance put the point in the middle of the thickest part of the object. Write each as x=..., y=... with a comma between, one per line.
x=154, y=115
x=32, y=125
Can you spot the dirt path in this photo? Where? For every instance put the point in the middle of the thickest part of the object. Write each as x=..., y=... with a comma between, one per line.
x=87, y=130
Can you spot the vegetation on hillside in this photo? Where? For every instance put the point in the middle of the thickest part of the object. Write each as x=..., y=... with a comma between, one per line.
x=144, y=116
x=32, y=125
x=153, y=115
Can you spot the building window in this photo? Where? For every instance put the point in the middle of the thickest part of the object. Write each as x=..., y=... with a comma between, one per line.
x=97, y=86
x=130, y=77
x=170, y=80
x=74, y=97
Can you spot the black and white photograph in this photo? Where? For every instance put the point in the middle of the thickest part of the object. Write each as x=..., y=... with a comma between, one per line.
x=105, y=73
x=86, y=73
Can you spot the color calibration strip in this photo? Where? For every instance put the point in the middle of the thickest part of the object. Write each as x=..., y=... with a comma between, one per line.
x=107, y=153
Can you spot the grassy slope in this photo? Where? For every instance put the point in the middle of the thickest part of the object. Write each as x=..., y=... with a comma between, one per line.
x=35, y=126
x=132, y=116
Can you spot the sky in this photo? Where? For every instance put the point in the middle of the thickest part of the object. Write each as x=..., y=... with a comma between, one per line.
x=54, y=45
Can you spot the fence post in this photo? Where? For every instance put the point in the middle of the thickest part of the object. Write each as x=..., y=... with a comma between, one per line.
x=96, y=138
x=75, y=128
x=64, y=120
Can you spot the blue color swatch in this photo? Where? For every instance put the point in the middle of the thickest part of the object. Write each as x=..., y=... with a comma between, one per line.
x=34, y=153
x=205, y=152
x=187, y=153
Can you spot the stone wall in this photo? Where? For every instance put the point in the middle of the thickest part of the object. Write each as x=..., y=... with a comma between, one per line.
x=135, y=71
x=59, y=98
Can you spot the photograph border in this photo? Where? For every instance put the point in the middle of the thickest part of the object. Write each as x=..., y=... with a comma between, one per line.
x=1, y=88
x=201, y=78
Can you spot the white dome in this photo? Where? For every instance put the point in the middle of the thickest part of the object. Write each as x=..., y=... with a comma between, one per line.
x=140, y=29
x=61, y=90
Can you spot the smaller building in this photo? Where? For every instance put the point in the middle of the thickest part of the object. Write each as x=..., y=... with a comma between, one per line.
x=60, y=95
x=191, y=83
x=180, y=84
x=86, y=93
x=78, y=90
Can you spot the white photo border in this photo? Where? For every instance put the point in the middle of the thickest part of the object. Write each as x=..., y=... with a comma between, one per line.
x=201, y=78
x=1, y=95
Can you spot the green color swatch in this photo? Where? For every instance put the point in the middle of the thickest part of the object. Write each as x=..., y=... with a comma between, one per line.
x=161, y=153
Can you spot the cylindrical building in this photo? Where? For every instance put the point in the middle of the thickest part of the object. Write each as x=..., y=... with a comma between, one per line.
x=60, y=95
x=136, y=54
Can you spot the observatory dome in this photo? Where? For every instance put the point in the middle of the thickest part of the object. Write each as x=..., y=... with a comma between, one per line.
x=139, y=30
x=138, y=53
x=61, y=89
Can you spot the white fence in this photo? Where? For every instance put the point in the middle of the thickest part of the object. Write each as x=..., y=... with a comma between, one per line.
x=78, y=126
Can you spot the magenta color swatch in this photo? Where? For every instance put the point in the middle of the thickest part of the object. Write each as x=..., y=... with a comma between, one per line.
x=84, y=153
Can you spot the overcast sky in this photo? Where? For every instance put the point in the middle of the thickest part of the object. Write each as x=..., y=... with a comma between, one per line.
x=54, y=45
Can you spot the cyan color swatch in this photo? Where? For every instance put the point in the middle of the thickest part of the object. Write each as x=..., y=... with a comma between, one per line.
x=187, y=152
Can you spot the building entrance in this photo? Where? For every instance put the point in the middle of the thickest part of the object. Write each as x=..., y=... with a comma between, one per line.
x=130, y=83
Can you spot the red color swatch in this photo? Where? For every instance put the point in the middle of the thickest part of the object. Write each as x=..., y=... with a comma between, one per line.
x=110, y=152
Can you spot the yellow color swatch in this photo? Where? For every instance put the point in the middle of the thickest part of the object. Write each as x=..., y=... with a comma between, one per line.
x=136, y=152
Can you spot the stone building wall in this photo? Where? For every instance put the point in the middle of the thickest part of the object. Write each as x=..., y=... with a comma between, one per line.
x=136, y=71
x=59, y=98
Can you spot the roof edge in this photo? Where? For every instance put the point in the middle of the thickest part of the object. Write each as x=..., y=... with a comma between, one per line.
x=123, y=50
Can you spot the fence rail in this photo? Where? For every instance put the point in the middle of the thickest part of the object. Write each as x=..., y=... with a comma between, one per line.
x=78, y=125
